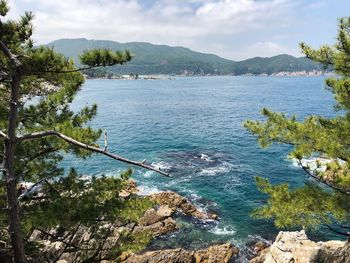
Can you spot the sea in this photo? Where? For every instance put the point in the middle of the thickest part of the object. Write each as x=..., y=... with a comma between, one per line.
x=192, y=127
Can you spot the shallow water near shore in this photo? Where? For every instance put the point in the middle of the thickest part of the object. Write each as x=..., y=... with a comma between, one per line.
x=192, y=127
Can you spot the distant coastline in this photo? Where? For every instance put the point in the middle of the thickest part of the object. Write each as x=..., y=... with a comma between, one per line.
x=153, y=60
x=313, y=73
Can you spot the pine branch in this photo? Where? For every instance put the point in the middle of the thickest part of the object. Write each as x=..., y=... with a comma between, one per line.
x=63, y=71
x=37, y=135
x=43, y=152
x=31, y=188
x=42, y=181
x=14, y=60
x=337, y=231
x=317, y=178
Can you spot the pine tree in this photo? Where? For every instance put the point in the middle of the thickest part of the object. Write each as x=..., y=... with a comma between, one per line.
x=325, y=202
x=35, y=136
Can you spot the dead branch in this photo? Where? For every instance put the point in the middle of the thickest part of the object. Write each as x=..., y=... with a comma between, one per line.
x=37, y=135
x=3, y=135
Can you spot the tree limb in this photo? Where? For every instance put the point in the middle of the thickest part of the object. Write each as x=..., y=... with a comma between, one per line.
x=63, y=71
x=37, y=135
x=2, y=134
x=337, y=231
x=317, y=178
x=41, y=182
x=31, y=188
x=14, y=60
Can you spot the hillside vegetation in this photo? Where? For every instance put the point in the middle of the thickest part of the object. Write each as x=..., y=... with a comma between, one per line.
x=162, y=59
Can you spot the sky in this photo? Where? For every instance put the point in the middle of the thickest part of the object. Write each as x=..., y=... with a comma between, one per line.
x=233, y=29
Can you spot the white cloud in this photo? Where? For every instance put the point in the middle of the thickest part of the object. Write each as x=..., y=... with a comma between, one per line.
x=266, y=49
x=172, y=22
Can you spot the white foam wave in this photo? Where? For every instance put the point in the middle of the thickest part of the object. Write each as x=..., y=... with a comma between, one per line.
x=222, y=168
x=178, y=181
x=225, y=231
x=147, y=174
x=161, y=165
x=206, y=157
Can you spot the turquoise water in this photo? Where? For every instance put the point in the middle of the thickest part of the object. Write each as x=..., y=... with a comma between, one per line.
x=192, y=127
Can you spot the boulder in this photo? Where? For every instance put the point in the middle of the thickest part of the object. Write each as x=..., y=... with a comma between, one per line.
x=165, y=211
x=178, y=202
x=259, y=246
x=295, y=247
x=214, y=254
x=333, y=252
x=131, y=188
x=152, y=215
x=159, y=228
x=149, y=218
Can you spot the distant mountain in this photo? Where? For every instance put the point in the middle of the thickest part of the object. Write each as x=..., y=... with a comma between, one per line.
x=162, y=59
x=279, y=63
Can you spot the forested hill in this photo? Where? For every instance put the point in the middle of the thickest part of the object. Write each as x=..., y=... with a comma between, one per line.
x=162, y=59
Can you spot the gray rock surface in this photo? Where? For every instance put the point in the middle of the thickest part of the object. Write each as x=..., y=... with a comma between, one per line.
x=295, y=247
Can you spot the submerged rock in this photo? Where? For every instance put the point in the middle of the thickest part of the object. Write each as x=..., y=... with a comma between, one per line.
x=295, y=247
x=214, y=254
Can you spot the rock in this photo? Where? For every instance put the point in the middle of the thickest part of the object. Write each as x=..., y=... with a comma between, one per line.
x=290, y=247
x=162, y=256
x=333, y=252
x=150, y=217
x=261, y=257
x=165, y=211
x=160, y=228
x=295, y=247
x=259, y=246
x=214, y=254
x=176, y=201
x=167, y=198
x=131, y=188
x=156, y=220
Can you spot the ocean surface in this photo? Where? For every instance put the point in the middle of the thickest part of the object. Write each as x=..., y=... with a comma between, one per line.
x=192, y=127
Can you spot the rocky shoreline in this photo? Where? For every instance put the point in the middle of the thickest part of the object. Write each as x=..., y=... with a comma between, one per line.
x=289, y=247
x=158, y=220
x=213, y=254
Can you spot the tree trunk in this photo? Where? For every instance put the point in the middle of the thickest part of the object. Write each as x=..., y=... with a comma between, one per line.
x=10, y=177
